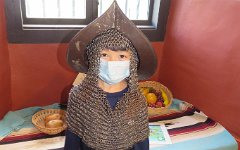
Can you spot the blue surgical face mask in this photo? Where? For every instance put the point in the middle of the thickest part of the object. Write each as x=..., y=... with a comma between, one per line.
x=112, y=72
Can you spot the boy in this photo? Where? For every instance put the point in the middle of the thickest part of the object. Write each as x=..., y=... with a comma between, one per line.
x=107, y=111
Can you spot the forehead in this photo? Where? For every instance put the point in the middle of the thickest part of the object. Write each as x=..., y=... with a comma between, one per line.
x=117, y=51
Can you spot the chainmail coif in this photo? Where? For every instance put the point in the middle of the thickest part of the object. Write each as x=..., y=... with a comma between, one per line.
x=89, y=114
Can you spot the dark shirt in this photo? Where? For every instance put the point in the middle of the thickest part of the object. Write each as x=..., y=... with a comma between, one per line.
x=74, y=142
x=113, y=98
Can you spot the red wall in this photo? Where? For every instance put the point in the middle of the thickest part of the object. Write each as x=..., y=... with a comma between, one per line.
x=5, y=78
x=201, y=58
x=158, y=47
x=40, y=75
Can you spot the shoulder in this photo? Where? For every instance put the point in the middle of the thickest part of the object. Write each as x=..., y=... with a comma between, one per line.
x=75, y=90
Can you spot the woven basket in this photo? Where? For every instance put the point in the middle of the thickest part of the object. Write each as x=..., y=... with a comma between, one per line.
x=39, y=117
x=158, y=86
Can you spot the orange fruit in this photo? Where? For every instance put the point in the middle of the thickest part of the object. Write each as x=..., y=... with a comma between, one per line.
x=151, y=98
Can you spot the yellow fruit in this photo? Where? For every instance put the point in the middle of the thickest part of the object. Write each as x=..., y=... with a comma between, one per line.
x=144, y=90
x=151, y=98
x=166, y=102
x=165, y=98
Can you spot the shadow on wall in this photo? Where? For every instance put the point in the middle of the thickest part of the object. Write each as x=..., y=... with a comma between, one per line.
x=62, y=61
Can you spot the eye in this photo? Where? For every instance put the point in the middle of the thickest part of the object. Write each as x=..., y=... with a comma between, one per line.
x=123, y=56
x=103, y=55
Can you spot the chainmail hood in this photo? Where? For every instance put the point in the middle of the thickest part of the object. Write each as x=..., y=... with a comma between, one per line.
x=89, y=114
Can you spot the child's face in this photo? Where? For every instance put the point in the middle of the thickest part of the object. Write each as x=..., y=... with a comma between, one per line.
x=116, y=55
x=114, y=66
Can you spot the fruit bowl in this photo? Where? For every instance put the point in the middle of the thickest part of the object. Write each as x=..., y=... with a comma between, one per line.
x=158, y=97
x=38, y=119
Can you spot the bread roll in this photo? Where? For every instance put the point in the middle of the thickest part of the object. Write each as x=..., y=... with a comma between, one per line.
x=52, y=117
x=54, y=123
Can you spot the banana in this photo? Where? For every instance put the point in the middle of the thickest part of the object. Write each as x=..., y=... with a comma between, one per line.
x=165, y=98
